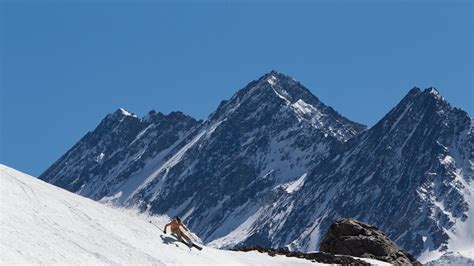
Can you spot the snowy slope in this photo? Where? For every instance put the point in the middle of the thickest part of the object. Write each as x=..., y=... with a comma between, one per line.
x=43, y=224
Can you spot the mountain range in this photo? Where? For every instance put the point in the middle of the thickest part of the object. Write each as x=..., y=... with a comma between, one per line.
x=274, y=166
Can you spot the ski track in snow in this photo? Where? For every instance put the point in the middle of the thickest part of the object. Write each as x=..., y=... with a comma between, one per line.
x=43, y=224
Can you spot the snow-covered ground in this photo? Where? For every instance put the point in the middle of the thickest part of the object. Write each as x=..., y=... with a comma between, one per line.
x=43, y=224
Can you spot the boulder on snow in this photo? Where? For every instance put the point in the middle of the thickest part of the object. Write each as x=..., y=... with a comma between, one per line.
x=354, y=238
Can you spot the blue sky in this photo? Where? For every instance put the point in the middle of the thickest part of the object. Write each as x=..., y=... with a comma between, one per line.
x=65, y=66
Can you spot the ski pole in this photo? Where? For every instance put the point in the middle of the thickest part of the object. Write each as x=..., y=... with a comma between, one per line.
x=154, y=225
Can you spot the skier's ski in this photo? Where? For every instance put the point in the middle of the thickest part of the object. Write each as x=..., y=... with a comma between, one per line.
x=186, y=243
x=197, y=247
x=191, y=244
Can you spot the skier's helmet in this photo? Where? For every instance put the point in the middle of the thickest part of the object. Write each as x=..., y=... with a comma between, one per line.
x=177, y=219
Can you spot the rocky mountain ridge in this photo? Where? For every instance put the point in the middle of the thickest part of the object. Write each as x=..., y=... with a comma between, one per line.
x=274, y=166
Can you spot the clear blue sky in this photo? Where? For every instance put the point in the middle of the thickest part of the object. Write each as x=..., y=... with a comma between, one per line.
x=65, y=66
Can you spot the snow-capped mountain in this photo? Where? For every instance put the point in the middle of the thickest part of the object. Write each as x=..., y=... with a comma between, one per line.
x=411, y=175
x=103, y=160
x=274, y=166
x=212, y=173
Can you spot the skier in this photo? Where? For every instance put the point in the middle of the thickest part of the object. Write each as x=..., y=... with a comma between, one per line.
x=175, y=229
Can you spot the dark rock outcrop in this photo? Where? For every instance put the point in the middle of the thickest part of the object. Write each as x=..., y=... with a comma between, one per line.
x=354, y=238
x=320, y=257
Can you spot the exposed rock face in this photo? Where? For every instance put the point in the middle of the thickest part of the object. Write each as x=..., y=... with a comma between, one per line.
x=320, y=257
x=103, y=161
x=354, y=238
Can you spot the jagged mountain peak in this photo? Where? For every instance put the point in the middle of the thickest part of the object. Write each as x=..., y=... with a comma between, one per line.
x=413, y=92
x=274, y=71
x=432, y=90
x=280, y=84
x=285, y=88
x=179, y=114
x=433, y=94
x=276, y=76
x=419, y=104
x=121, y=112
x=116, y=119
x=428, y=93
x=276, y=93
x=154, y=116
x=119, y=115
